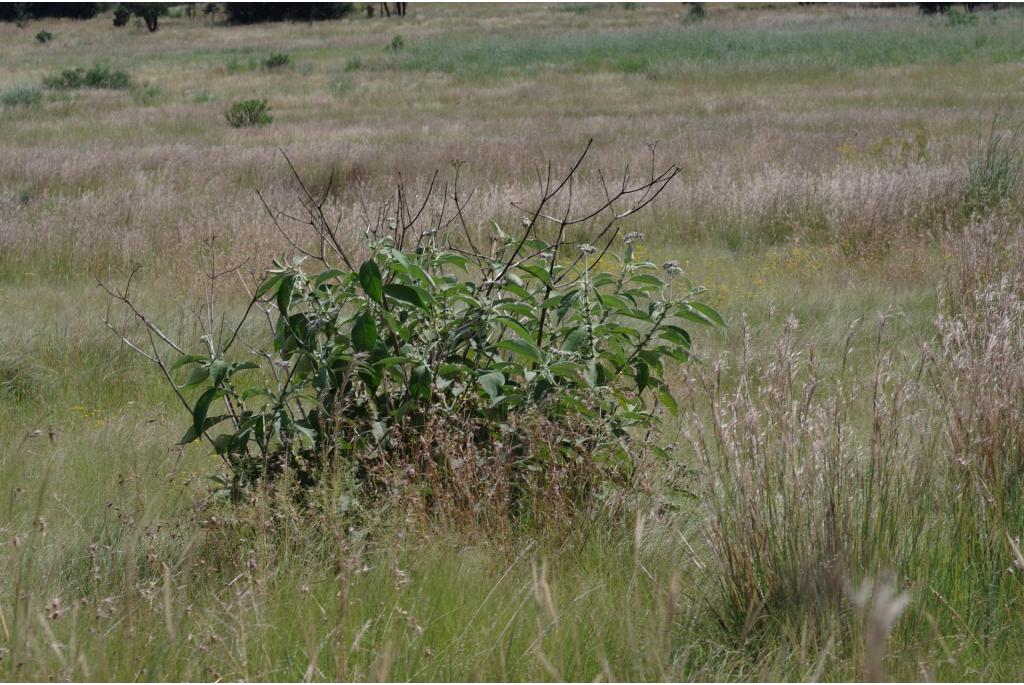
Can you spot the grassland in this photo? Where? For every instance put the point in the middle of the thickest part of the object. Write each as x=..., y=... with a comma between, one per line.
x=852, y=440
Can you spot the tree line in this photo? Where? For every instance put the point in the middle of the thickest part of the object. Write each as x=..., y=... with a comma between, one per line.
x=233, y=12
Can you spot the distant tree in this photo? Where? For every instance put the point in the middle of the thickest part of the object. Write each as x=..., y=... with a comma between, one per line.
x=21, y=11
x=149, y=12
x=121, y=16
x=929, y=8
x=255, y=12
x=385, y=10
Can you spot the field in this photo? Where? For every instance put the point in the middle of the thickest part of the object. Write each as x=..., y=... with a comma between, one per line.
x=844, y=497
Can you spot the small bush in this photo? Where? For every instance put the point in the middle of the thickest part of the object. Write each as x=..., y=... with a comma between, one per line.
x=994, y=173
x=696, y=13
x=276, y=60
x=44, y=37
x=957, y=17
x=353, y=64
x=27, y=96
x=121, y=16
x=98, y=76
x=397, y=43
x=536, y=368
x=148, y=95
x=248, y=113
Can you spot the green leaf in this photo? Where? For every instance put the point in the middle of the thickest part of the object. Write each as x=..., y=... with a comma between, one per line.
x=218, y=369
x=492, y=383
x=269, y=285
x=521, y=347
x=670, y=402
x=708, y=312
x=675, y=334
x=647, y=279
x=324, y=276
x=202, y=407
x=535, y=270
x=197, y=376
x=284, y=294
x=188, y=359
x=419, y=382
x=641, y=374
x=369, y=278
x=400, y=257
x=364, y=333
x=575, y=339
x=408, y=294
x=519, y=329
x=595, y=375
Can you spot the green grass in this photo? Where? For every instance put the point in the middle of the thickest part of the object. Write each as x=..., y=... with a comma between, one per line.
x=814, y=46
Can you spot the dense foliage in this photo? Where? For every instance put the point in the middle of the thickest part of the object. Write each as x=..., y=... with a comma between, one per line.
x=363, y=362
x=96, y=76
x=255, y=12
x=248, y=113
x=19, y=11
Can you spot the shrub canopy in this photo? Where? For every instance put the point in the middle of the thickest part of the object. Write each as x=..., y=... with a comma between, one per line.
x=255, y=12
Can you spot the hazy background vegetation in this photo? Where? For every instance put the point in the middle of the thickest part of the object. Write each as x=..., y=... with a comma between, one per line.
x=849, y=445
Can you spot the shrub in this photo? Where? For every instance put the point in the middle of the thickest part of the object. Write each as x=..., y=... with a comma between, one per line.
x=994, y=172
x=696, y=13
x=277, y=59
x=248, y=113
x=397, y=43
x=147, y=95
x=121, y=16
x=957, y=17
x=97, y=76
x=28, y=96
x=44, y=37
x=353, y=63
x=533, y=367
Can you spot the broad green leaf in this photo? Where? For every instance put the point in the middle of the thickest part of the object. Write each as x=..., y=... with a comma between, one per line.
x=520, y=330
x=408, y=294
x=269, y=285
x=641, y=374
x=218, y=369
x=284, y=294
x=197, y=376
x=575, y=339
x=370, y=279
x=492, y=383
x=364, y=333
x=708, y=312
x=324, y=276
x=202, y=407
x=669, y=401
x=528, y=350
x=188, y=359
x=647, y=279
x=595, y=374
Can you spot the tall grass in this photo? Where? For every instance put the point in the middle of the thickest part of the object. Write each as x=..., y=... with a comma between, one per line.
x=819, y=483
x=994, y=171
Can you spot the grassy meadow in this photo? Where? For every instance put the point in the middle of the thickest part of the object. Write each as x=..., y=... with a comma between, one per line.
x=843, y=500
